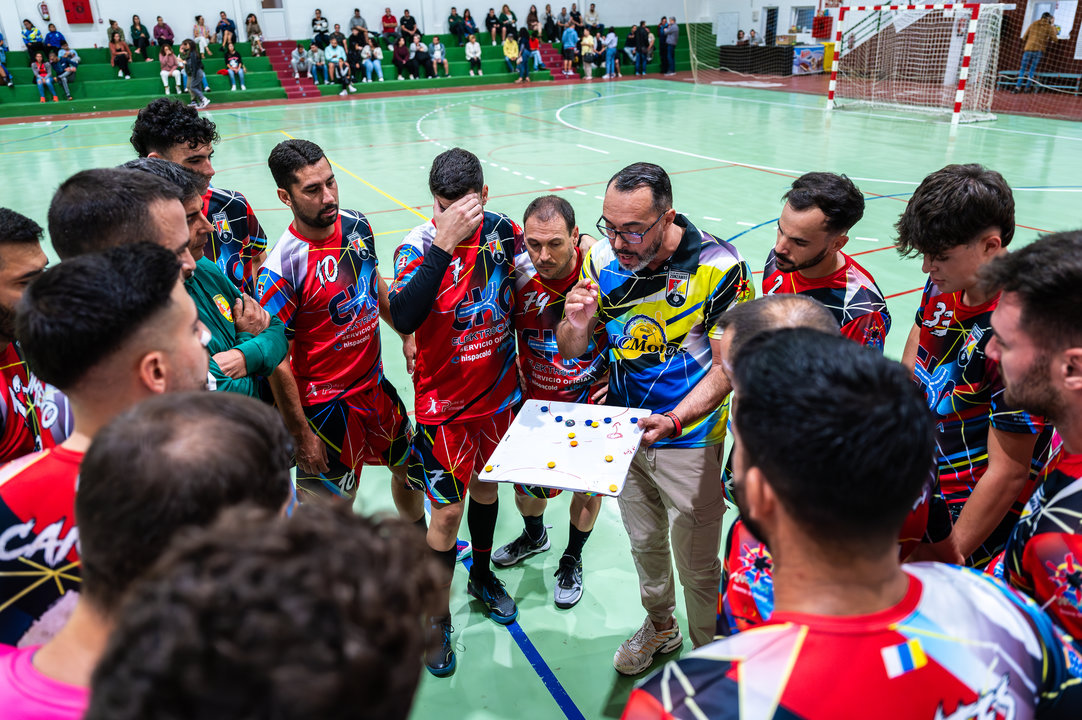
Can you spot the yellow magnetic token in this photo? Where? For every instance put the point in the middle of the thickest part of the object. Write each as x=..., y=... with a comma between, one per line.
x=571, y=435
x=574, y=443
x=551, y=464
x=608, y=458
x=488, y=468
x=612, y=488
x=595, y=423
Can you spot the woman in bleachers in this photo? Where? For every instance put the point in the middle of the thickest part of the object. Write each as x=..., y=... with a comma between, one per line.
x=473, y=54
x=234, y=65
x=43, y=74
x=533, y=22
x=120, y=55
x=170, y=68
x=372, y=55
x=33, y=39
x=469, y=26
x=202, y=35
x=140, y=37
x=401, y=59
x=255, y=35
x=508, y=22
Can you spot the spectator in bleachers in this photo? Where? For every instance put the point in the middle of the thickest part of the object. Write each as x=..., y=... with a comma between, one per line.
x=339, y=36
x=548, y=25
x=511, y=53
x=43, y=75
x=358, y=22
x=356, y=40
x=456, y=26
x=226, y=29
x=234, y=65
x=468, y=23
x=570, y=41
x=438, y=51
x=355, y=55
x=114, y=26
x=523, y=60
x=740, y=39
x=473, y=54
x=184, y=73
x=170, y=68
x=535, y=51
x=533, y=22
x=120, y=55
x=162, y=33
x=254, y=33
x=401, y=59
x=642, y=48
x=64, y=70
x=1039, y=36
x=140, y=37
x=372, y=54
x=193, y=65
x=508, y=21
x=652, y=44
x=629, y=43
x=563, y=22
x=390, y=28
x=320, y=30
x=68, y=53
x=492, y=24
x=576, y=19
x=5, y=76
x=202, y=36
x=670, y=37
x=611, y=51
x=318, y=61
x=298, y=60
x=335, y=55
x=33, y=40
x=421, y=57
x=588, y=53
x=407, y=25
x=593, y=20
x=53, y=39
x=753, y=39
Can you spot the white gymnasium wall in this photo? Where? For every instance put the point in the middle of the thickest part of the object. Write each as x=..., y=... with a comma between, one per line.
x=431, y=14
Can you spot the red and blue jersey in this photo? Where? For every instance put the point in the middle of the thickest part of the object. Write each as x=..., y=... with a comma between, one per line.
x=964, y=390
x=850, y=294
x=236, y=240
x=960, y=644
x=39, y=551
x=1044, y=553
x=539, y=307
x=33, y=415
x=326, y=293
x=465, y=367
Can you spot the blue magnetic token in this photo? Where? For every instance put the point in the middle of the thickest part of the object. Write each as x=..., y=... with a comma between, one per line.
x=608, y=420
x=589, y=422
x=544, y=408
x=559, y=418
x=634, y=420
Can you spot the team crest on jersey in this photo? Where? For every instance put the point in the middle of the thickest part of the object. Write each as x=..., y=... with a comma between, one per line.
x=356, y=244
x=495, y=247
x=972, y=341
x=676, y=289
x=995, y=703
x=645, y=335
x=223, y=307
x=1068, y=580
x=221, y=226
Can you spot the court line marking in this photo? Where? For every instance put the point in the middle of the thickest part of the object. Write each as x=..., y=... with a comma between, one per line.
x=355, y=176
x=597, y=150
x=858, y=237
x=714, y=219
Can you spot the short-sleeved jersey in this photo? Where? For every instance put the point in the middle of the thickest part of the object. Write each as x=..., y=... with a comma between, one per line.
x=539, y=307
x=964, y=391
x=34, y=415
x=850, y=294
x=959, y=645
x=237, y=237
x=326, y=293
x=39, y=555
x=26, y=693
x=465, y=367
x=1044, y=553
x=660, y=322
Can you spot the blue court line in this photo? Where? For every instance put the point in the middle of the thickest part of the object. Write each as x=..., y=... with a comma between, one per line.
x=774, y=220
x=559, y=694
x=36, y=137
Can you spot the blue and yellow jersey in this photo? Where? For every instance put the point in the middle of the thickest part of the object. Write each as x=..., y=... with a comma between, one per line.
x=660, y=323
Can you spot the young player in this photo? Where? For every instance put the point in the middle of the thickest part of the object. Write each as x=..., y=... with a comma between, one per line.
x=959, y=219
x=853, y=633
x=1038, y=347
x=33, y=414
x=174, y=131
x=455, y=288
x=547, y=269
x=820, y=209
x=322, y=280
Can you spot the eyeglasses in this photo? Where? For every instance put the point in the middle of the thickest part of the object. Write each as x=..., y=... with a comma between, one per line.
x=632, y=238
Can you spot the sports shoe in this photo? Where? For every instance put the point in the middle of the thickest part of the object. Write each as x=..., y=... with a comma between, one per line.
x=439, y=652
x=243, y=86
x=471, y=73
x=463, y=550
x=234, y=88
x=519, y=549
x=568, y=590
x=56, y=99
x=295, y=76
x=489, y=590
x=344, y=92
x=480, y=72
x=637, y=652
x=206, y=101
x=352, y=87
x=43, y=99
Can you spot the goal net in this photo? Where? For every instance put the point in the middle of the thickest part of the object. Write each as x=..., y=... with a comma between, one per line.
x=937, y=59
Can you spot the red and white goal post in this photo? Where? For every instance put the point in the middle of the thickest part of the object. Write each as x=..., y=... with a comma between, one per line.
x=936, y=58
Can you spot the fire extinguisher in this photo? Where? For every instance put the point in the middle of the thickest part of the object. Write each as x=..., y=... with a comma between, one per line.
x=44, y=10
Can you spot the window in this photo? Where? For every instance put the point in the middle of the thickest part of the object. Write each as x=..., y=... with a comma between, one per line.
x=802, y=18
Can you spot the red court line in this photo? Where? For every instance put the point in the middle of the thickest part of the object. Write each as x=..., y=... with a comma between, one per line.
x=904, y=292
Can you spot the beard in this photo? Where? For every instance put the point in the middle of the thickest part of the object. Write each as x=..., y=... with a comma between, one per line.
x=1034, y=392
x=324, y=218
x=753, y=527
x=7, y=325
x=638, y=260
x=786, y=266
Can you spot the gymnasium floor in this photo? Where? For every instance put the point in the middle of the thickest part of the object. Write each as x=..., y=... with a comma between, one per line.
x=731, y=152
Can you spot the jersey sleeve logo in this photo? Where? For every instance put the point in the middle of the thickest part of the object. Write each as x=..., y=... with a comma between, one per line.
x=645, y=335
x=676, y=292
x=494, y=245
x=223, y=307
x=356, y=244
x=221, y=226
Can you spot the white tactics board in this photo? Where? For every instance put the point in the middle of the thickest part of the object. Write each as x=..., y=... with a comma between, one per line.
x=570, y=446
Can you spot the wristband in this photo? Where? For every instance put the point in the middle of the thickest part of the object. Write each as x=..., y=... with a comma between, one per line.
x=678, y=429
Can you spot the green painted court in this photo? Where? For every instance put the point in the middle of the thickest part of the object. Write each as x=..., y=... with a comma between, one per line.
x=731, y=152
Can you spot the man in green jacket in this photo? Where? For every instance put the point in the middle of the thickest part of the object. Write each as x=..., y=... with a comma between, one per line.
x=246, y=342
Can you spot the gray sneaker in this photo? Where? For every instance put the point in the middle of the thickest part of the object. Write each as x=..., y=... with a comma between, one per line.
x=568, y=590
x=519, y=549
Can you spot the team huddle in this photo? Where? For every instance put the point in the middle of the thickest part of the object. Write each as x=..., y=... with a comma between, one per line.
x=862, y=484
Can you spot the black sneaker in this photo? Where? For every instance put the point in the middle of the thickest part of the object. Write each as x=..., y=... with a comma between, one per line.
x=568, y=590
x=440, y=654
x=519, y=549
x=489, y=590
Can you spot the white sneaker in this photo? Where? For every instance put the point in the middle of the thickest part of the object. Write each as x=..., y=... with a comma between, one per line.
x=352, y=88
x=167, y=91
x=480, y=72
x=243, y=86
x=234, y=88
x=471, y=73
x=606, y=76
x=399, y=77
x=120, y=73
x=344, y=92
x=295, y=76
x=381, y=79
x=206, y=101
x=638, y=651
x=127, y=77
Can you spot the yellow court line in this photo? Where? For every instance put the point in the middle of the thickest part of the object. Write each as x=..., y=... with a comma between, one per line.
x=392, y=232
x=390, y=197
